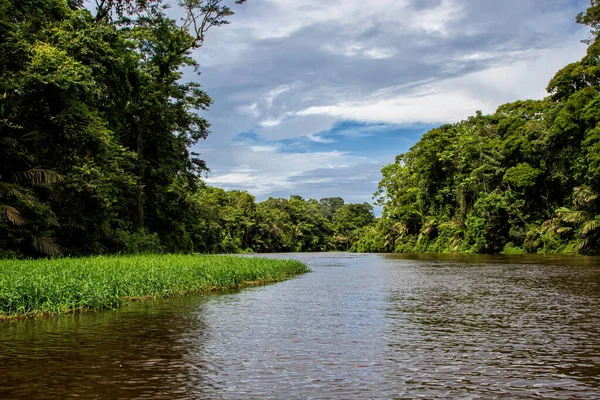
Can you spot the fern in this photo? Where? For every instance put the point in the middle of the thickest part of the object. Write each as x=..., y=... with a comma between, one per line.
x=37, y=176
x=12, y=214
x=46, y=246
x=590, y=227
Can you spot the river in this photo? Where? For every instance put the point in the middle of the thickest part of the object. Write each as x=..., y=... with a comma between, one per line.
x=358, y=326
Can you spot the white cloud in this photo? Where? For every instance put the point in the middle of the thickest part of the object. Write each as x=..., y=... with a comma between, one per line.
x=270, y=122
x=251, y=110
x=288, y=69
x=355, y=49
x=283, y=172
x=286, y=17
x=428, y=109
x=264, y=149
x=451, y=100
x=379, y=53
x=439, y=20
x=274, y=93
x=319, y=139
x=243, y=169
x=293, y=126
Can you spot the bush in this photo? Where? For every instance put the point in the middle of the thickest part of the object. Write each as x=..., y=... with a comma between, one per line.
x=510, y=248
x=138, y=242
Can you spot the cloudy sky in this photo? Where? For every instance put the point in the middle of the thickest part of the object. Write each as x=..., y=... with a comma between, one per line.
x=313, y=97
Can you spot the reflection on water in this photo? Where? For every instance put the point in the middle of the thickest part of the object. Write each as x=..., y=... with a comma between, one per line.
x=496, y=329
x=358, y=326
x=136, y=352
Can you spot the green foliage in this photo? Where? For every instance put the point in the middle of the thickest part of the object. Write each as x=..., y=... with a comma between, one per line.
x=591, y=17
x=523, y=175
x=370, y=241
x=138, y=242
x=96, y=124
x=524, y=179
x=510, y=249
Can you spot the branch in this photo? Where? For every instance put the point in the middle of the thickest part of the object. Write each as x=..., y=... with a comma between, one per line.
x=212, y=12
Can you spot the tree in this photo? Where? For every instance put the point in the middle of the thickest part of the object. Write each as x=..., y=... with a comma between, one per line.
x=97, y=100
x=494, y=182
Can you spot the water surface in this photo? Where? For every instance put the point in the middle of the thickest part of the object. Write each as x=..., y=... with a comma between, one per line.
x=358, y=326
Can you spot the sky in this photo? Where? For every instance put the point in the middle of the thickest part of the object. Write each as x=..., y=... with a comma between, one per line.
x=314, y=97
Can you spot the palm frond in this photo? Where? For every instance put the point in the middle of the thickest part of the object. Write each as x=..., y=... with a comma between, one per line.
x=12, y=214
x=51, y=219
x=38, y=176
x=591, y=197
x=33, y=136
x=46, y=246
x=8, y=142
x=22, y=196
x=584, y=195
x=590, y=227
x=12, y=190
x=583, y=244
x=571, y=216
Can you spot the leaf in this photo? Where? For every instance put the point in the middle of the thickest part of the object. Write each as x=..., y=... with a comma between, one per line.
x=568, y=215
x=38, y=176
x=590, y=227
x=46, y=246
x=9, y=142
x=33, y=136
x=12, y=214
x=583, y=244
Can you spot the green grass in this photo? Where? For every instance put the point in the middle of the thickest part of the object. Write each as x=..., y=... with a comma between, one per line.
x=31, y=288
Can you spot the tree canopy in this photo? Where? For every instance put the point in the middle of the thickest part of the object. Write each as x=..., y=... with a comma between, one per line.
x=524, y=179
x=97, y=126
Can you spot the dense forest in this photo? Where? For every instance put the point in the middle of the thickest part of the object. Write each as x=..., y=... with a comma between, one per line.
x=96, y=128
x=525, y=179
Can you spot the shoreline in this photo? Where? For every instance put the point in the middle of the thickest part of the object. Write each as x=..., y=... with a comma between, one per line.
x=31, y=289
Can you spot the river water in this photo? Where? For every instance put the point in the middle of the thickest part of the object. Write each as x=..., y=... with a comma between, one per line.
x=358, y=326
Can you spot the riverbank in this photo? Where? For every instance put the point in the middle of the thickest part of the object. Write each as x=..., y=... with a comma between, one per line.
x=34, y=288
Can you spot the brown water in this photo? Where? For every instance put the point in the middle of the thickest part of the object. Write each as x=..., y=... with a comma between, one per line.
x=358, y=326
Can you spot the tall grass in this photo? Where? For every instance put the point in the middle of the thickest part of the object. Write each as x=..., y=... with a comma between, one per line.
x=30, y=288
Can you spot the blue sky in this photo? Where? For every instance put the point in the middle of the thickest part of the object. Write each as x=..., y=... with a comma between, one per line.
x=313, y=97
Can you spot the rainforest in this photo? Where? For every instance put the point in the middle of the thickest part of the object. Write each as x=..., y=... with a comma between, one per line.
x=97, y=128
x=525, y=179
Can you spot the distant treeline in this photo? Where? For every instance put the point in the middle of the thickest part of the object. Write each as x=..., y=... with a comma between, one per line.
x=229, y=222
x=524, y=179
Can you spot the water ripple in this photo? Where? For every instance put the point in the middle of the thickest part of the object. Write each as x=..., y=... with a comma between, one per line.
x=357, y=327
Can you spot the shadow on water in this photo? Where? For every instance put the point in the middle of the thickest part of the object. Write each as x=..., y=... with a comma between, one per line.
x=145, y=350
x=526, y=259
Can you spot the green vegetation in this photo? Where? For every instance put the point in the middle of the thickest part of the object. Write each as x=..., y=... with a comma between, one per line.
x=230, y=222
x=524, y=179
x=96, y=127
x=30, y=288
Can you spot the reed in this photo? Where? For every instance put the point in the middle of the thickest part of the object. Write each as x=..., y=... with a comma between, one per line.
x=31, y=288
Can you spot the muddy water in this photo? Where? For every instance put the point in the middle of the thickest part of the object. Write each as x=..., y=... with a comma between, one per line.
x=358, y=326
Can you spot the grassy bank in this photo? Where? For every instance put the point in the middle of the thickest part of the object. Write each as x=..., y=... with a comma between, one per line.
x=31, y=288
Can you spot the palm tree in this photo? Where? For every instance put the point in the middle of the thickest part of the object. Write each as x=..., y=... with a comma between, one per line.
x=582, y=216
x=16, y=182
